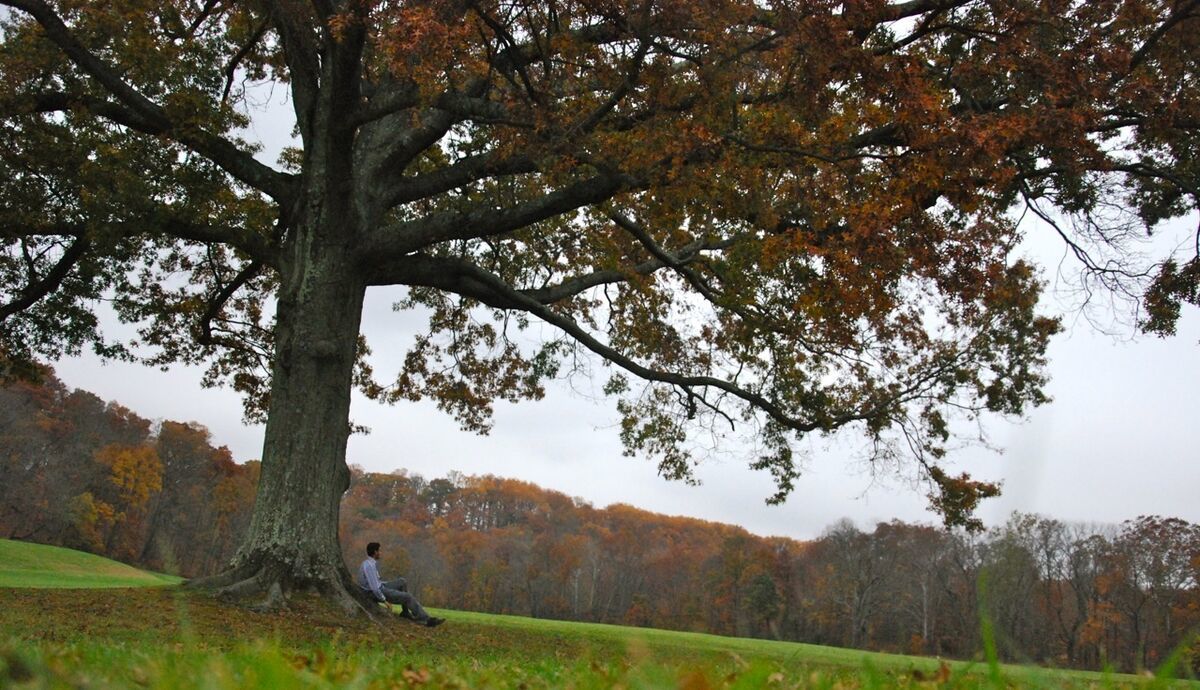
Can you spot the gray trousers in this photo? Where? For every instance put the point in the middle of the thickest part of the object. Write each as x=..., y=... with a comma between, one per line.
x=396, y=592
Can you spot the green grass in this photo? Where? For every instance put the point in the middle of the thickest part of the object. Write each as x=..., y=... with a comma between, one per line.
x=166, y=637
x=700, y=646
x=36, y=565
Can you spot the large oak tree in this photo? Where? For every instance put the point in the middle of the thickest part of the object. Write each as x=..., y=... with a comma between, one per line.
x=784, y=217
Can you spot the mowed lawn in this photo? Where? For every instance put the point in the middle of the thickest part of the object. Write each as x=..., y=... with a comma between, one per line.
x=37, y=565
x=167, y=637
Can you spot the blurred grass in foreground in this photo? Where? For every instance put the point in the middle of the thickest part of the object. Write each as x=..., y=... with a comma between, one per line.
x=168, y=638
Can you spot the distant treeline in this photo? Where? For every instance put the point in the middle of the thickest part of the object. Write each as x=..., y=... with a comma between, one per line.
x=1070, y=595
x=79, y=472
x=83, y=473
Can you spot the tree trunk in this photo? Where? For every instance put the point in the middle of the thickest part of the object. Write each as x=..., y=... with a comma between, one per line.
x=292, y=540
x=924, y=616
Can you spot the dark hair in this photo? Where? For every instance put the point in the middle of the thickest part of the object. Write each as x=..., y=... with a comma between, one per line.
x=372, y=548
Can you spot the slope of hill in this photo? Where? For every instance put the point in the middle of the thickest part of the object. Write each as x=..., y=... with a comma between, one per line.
x=123, y=644
x=37, y=565
x=173, y=638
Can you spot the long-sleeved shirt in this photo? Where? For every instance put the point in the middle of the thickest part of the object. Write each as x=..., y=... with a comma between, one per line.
x=368, y=578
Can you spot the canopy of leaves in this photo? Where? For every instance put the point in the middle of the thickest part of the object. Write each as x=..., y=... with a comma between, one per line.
x=780, y=217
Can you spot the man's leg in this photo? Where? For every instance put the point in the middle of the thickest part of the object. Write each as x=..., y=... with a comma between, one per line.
x=399, y=585
x=407, y=603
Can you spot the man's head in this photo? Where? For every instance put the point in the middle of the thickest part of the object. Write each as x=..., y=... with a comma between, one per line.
x=373, y=549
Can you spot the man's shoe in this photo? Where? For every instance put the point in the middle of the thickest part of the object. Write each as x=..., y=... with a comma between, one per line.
x=434, y=622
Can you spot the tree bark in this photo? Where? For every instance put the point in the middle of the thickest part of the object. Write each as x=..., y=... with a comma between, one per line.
x=292, y=540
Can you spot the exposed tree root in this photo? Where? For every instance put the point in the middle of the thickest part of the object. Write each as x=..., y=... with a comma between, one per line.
x=241, y=589
x=348, y=596
x=268, y=584
x=222, y=579
x=275, y=600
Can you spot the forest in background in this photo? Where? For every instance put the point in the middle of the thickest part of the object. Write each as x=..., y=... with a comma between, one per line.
x=89, y=474
x=92, y=475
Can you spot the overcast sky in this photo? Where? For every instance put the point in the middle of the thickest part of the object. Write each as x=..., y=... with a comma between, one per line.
x=1119, y=439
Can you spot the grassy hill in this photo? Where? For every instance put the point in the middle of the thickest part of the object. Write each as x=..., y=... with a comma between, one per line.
x=165, y=637
x=36, y=565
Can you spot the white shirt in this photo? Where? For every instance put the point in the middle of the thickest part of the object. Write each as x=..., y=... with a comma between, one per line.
x=368, y=577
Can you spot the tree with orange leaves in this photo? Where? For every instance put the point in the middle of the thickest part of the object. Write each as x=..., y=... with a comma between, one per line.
x=783, y=217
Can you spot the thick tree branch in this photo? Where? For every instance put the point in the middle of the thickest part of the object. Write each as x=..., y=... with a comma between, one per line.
x=148, y=117
x=231, y=67
x=323, y=9
x=252, y=244
x=570, y=287
x=1180, y=13
x=203, y=332
x=623, y=89
x=503, y=34
x=1141, y=169
x=517, y=55
x=210, y=6
x=466, y=279
x=924, y=28
x=453, y=275
x=452, y=106
x=303, y=60
x=912, y=8
x=58, y=101
x=474, y=108
x=49, y=282
x=402, y=270
x=473, y=282
x=399, y=239
x=389, y=98
x=462, y=173
x=59, y=34
x=342, y=84
x=390, y=146
x=233, y=160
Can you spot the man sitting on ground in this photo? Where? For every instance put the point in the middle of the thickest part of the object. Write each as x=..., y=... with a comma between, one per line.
x=392, y=591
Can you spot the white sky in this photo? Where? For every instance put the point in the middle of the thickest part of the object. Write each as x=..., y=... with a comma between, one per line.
x=1118, y=440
